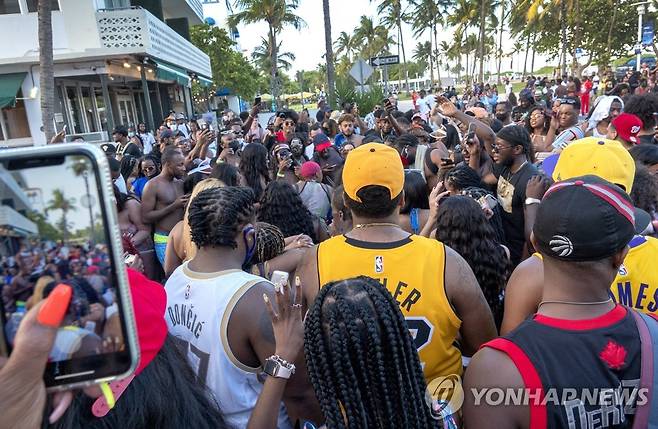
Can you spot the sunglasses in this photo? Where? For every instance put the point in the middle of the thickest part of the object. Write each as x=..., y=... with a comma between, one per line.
x=570, y=101
x=288, y=123
x=498, y=148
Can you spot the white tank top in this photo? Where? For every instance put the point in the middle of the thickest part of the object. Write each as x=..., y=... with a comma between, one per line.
x=199, y=306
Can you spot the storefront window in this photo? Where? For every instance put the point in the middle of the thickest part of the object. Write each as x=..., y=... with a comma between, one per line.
x=89, y=109
x=101, y=109
x=74, y=110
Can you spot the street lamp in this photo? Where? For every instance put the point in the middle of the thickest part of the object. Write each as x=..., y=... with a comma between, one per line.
x=641, y=10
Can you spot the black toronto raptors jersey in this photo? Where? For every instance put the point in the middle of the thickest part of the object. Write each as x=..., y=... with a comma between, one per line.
x=587, y=372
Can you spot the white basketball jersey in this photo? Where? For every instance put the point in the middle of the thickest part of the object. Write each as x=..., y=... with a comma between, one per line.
x=199, y=306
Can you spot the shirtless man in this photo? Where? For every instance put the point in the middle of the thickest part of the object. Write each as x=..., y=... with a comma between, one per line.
x=163, y=202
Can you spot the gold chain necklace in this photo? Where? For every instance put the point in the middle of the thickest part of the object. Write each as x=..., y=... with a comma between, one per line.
x=368, y=225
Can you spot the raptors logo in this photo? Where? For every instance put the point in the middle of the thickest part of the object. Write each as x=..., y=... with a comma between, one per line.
x=561, y=245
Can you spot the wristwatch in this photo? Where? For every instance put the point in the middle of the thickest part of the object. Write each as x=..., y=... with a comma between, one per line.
x=531, y=201
x=279, y=368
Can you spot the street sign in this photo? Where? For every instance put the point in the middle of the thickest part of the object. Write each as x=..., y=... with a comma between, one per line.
x=647, y=34
x=385, y=61
x=361, y=71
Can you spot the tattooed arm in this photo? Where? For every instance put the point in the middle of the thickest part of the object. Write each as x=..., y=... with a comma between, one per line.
x=251, y=339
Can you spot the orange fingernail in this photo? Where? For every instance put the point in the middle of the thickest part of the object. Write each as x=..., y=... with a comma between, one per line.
x=53, y=310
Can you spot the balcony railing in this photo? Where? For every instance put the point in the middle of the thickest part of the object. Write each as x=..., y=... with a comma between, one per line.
x=136, y=30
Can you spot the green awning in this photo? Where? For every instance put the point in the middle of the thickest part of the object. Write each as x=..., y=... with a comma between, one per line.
x=168, y=72
x=10, y=83
x=204, y=81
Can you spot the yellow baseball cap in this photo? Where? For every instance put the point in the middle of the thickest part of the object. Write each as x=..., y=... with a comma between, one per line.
x=373, y=164
x=607, y=159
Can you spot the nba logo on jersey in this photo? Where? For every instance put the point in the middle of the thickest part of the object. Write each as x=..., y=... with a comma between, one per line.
x=622, y=270
x=379, y=264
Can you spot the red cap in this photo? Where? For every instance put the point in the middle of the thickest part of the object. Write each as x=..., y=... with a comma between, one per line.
x=149, y=305
x=309, y=169
x=628, y=126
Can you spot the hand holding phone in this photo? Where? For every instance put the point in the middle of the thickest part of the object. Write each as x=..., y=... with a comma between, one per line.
x=28, y=358
x=77, y=357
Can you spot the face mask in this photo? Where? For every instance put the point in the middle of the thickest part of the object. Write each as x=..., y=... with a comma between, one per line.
x=131, y=134
x=250, y=249
x=503, y=116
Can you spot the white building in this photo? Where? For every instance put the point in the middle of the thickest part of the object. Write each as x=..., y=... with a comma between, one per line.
x=117, y=62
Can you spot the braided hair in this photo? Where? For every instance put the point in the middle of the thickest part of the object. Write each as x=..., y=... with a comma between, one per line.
x=496, y=220
x=270, y=242
x=253, y=166
x=362, y=361
x=462, y=176
x=282, y=206
x=462, y=226
x=217, y=215
x=128, y=163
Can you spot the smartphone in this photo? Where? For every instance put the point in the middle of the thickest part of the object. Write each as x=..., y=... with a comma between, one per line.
x=470, y=133
x=86, y=230
x=257, y=101
x=280, y=277
x=488, y=200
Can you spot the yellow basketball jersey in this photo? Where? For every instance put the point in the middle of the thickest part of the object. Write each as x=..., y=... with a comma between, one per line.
x=413, y=271
x=636, y=284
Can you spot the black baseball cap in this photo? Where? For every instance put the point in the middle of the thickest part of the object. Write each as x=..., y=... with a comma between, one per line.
x=121, y=130
x=108, y=148
x=584, y=218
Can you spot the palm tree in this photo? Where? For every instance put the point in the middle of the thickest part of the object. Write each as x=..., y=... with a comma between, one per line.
x=373, y=39
x=277, y=14
x=393, y=16
x=427, y=15
x=503, y=18
x=60, y=202
x=345, y=45
x=80, y=168
x=423, y=54
x=329, y=55
x=46, y=71
x=261, y=57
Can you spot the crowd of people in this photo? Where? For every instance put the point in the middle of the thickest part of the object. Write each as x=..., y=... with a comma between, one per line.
x=500, y=240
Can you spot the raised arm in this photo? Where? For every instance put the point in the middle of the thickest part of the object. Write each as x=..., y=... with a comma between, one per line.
x=482, y=130
x=255, y=109
x=297, y=394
